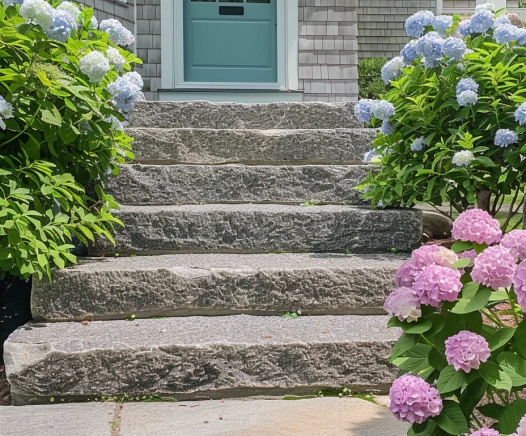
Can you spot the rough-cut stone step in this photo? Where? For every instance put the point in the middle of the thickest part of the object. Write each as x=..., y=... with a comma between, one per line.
x=204, y=114
x=208, y=146
x=216, y=284
x=194, y=184
x=198, y=357
x=253, y=228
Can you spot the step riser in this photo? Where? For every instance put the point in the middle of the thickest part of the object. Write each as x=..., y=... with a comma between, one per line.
x=249, y=229
x=335, y=285
x=200, y=114
x=205, y=146
x=194, y=184
x=194, y=357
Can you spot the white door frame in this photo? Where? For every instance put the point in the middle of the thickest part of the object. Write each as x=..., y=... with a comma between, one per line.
x=172, y=50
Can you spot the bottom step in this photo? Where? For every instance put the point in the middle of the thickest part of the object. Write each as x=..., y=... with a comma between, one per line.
x=198, y=357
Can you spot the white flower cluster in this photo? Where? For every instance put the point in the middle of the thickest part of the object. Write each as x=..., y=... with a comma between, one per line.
x=38, y=12
x=115, y=58
x=63, y=25
x=95, y=66
x=70, y=8
x=117, y=32
x=463, y=158
x=6, y=111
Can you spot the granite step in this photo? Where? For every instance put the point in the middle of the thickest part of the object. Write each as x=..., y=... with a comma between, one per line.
x=216, y=284
x=204, y=114
x=209, y=146
x=194, y=184
x=258, y=228
x=198, y=357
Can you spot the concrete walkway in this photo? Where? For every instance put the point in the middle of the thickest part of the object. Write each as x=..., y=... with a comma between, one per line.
x=270, y=417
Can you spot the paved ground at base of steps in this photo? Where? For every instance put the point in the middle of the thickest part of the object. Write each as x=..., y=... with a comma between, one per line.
x=229, y=417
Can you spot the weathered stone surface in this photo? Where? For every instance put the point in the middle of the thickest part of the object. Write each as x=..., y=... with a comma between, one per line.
x=436, y=225
x=208, y=146
x=198, y=356
x=254, y=228
x=216, y=284
x=194, y=184
x=58, y=419
x=312, y=417
x=208, y=115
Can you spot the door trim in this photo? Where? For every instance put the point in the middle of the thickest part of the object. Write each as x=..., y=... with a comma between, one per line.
x=172, y=50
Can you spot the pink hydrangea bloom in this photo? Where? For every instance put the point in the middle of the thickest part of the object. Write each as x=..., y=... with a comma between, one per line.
x=521, y=430
x=515, y=241
x=437, y=283
x=519, y=284
x=476, y=225
x=469, y=254
x=485, y=431
x=414, y=400
x=421, y=258
x=403, y=304
x=466, y=350
x=494, y=267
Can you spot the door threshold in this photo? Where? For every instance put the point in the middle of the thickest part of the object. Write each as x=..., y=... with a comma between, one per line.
x=231, y=95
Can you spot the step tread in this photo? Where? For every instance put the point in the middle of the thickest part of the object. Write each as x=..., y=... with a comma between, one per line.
x=206, y=146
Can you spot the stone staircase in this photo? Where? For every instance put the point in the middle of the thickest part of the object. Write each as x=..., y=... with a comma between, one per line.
x=215, y=201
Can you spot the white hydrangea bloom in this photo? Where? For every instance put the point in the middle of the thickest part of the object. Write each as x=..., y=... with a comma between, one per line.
x=6, y=111
x=118, y=33
x=70, y=8
x=134, y=78
x=463, y=158
x=93, y=23
x=115, y=58
x=38, y=12
x=95, y=66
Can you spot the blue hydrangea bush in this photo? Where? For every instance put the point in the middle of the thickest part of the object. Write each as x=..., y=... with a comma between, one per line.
x=66, y=87
x=452, y=124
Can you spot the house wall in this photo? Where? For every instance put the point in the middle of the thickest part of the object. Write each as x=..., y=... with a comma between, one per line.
x=328, y=50
x=381, y=30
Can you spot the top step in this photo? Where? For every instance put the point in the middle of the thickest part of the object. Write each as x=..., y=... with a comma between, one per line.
x=207, y=115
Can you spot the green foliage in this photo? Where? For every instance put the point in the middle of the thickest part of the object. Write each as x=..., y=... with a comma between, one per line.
x=370, y=81
x=426, y=107
x=59, y=140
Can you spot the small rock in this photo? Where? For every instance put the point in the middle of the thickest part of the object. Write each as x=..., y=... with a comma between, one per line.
x=437, y=225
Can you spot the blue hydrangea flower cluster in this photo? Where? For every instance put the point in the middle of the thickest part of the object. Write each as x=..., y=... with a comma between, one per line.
x=115, y=123
x=415, y=24
x=418, y=144
x=430, y=46
x=70, y=8
x=392, y=69
x=409, y=53
x=367, y=157
x=463, y=158
x=466, y=85
x=464, y=28
x=125, y=91
x=467, y=98
x=481, y=21
x=115, y=58
x=118, y=33
x=6, y=111
x=454, y=48
x=134, y=78
x=442, y=23
x=506, y=33
x=505, y=137
x=38, y=12
x=363, y=110
x=13, y=2
x=95, y=66
x=503, y=19
x=520, y=114
x=63, y=25
x=383, y=110
x=486, y=6
x=386, y=128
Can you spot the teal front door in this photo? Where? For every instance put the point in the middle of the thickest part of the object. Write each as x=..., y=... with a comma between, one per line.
x=230, y=41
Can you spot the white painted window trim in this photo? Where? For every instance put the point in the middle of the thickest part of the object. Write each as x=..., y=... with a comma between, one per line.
x=172, y=49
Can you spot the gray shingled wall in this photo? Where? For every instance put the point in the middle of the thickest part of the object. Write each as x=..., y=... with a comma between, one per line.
x=381, y=25
x=328, y=50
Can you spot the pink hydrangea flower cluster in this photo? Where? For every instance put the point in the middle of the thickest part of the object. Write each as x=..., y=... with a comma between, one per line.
x=414, y=400
x=437, y=283
x=494, y=267
x=403, y=304
x=476, y=225
x=521, y=430
x=421, y=258
x=466, y=350
x=469, y=254
x=519, y=284
x=515, y=241
x=485, y=431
